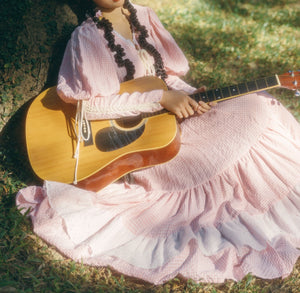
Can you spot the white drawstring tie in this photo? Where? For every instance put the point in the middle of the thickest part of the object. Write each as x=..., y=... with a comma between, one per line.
x=146, y=60
x=81, y=126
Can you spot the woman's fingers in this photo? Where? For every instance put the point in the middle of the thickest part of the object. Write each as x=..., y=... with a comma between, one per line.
x=202, y=107
x=193, y=107
x=182, y=105
x=186, y=110
x=185, y=113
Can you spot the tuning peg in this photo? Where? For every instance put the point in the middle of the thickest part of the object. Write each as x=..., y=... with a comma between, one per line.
x=291, y=73
x=297, y=93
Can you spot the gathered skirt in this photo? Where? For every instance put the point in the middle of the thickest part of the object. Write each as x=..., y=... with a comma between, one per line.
x=227, y=205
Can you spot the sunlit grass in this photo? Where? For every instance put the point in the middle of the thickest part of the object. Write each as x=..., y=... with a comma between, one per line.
x=225, y=42
x=234, y=41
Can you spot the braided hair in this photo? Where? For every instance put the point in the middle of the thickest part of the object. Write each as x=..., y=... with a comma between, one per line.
x=106, y=26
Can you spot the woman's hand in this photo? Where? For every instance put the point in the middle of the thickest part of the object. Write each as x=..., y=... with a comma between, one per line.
x=183, y=106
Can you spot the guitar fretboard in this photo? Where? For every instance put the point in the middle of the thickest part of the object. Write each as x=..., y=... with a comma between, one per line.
x=240, y=89
x=219, y=94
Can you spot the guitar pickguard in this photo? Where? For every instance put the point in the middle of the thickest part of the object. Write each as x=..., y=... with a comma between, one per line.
x=112, y=138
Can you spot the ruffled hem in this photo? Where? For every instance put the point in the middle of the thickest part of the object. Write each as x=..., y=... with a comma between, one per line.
x=263, y=244
x=245, y=219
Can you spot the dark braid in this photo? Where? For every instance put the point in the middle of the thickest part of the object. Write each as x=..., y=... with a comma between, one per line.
x=143, y=34
x=106, y=26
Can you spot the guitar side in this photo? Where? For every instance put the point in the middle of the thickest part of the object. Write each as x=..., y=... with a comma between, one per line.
x=51, y=141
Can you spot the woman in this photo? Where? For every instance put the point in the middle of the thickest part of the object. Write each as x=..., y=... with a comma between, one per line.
x=226, y=205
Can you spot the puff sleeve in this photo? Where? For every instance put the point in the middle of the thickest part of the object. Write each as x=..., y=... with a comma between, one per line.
x=175, y=62
x=88, y=72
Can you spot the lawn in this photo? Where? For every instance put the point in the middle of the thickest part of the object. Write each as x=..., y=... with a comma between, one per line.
x=226, y=42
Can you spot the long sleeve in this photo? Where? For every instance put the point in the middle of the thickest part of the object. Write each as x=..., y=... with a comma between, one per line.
x=88, y=72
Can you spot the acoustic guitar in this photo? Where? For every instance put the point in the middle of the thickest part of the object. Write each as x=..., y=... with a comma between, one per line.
x=116, y=147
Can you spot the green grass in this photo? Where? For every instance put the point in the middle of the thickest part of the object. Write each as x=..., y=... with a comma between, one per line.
x=226, y=42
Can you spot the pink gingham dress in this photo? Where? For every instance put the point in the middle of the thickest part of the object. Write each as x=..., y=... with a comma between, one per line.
x=227, y=205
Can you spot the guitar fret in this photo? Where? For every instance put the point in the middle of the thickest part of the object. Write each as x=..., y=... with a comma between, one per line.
x=197, y=97
x=261, y=83
x=242, y=88
x=251, y=86
x=203, y=97
x=218, y=94
x=234, y=90
x=272, y=81
x=210, y=95
x=225, y=92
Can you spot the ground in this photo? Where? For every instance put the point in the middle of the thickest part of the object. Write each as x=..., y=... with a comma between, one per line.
x=226, y=42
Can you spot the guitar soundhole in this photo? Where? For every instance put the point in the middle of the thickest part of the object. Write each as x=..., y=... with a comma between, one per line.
x=111, y=138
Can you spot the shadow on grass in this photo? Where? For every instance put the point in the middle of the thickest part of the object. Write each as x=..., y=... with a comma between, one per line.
x=14, y=159
x=13, y=154
x=290, y=18
x=225, y=56
x=27, y=264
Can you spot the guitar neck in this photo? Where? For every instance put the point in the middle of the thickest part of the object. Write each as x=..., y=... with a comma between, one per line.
x=225, y=93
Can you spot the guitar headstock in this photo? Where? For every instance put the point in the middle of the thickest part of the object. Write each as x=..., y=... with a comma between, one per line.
x=290, y=80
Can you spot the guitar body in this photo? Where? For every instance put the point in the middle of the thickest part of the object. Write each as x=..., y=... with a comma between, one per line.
x=116, y=148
